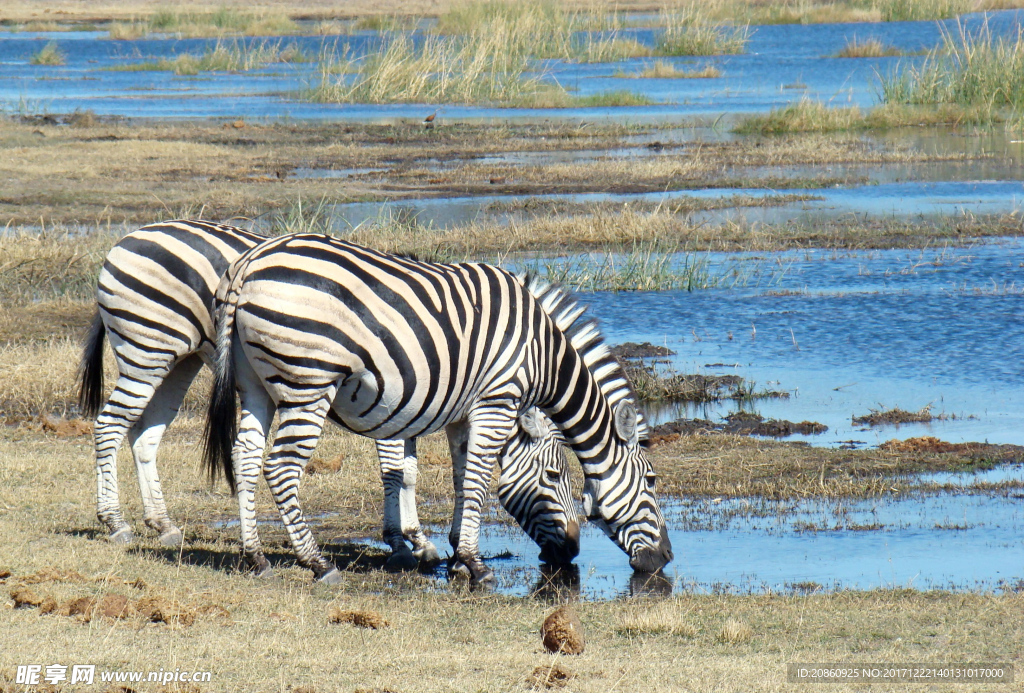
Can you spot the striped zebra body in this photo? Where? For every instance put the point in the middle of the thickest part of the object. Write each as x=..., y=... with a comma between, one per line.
x=310, y=326
x=154, y=296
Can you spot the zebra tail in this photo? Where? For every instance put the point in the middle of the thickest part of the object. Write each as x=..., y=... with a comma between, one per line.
x=221, y=424
x=90, y=370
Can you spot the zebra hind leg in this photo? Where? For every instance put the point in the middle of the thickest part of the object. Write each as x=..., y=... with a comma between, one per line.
x=401, y=520
x=144, y=438
x=391, y=454
x=247, y=459
x=489, y=427
x=299, y=429
x=126, y=404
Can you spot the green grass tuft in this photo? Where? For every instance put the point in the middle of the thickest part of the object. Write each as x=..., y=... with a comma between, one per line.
x=48, y=55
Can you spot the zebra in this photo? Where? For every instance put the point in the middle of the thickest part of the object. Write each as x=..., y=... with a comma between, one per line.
x=154, y=295
x=310, y=326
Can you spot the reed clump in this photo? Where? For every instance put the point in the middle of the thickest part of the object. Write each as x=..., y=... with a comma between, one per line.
x=689, y=30
x=803, y=116
x=976, y=71
x=662, y=69
x=49, y=54
x=868, y=48
x=492, y=66
x=645, y=267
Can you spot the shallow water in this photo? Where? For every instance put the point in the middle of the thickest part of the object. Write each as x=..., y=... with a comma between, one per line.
x=783, y=63
x=904, y=199
x=958, y=541
x=846, y=332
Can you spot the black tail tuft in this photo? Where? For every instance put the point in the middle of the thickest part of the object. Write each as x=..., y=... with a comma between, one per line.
x=221, y=426
x=90, y=370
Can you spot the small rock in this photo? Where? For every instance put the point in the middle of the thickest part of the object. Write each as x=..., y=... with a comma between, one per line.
x=4, y=573
x=24, y=598
x=554, y=676
x=363, y=619
x=563, y=632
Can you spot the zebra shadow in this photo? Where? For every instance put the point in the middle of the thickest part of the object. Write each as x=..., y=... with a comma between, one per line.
x=347, y=556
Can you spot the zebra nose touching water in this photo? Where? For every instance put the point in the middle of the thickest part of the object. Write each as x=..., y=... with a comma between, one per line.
x=154, y=296
x=310, y=326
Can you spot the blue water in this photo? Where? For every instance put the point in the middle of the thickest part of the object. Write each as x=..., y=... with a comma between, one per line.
x=857, y=331
x=783, y=63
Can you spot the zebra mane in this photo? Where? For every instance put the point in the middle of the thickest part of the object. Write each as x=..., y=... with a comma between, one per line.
x=581, y=329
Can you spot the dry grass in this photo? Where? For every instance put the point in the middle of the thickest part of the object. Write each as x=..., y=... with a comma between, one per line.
x=271, y=634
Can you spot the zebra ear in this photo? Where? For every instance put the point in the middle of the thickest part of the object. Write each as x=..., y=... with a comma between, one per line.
x=625, y=422
x=530, y=422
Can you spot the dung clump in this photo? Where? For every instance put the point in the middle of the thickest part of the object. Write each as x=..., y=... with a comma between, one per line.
x=83, y=607
x=25, y=598
x=554, y=676
x=160, y=610
x=563, y=632
x=363, y=619
x=319, y=465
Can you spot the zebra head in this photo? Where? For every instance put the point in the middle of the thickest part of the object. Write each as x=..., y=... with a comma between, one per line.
x=618, y=495
x=534, y=487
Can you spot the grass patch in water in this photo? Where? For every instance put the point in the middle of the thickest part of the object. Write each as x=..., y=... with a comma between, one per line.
x=662, y=69
x=969, y=71
x=921, y=10
x=49, y=54
x=646, y=267
x=897, y=416
x=485, y=67
x=687, y=30
x=813, y=116
x=868, y=48
x=237, y=57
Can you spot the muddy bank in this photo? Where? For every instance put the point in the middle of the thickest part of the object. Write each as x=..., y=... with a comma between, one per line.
x=740, y=423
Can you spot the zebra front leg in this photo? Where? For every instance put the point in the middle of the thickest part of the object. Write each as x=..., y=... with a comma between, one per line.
x=144, y=438
x=299, y=428
x=391, y=454
x=489, y=428
x=127, y=403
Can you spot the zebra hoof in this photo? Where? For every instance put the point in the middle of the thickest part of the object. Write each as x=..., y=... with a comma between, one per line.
x=263, y=571
x=331, y=577
x=171, y=537
x=401, y=562
x=122, y=536
x=458, y=570
x=484, y=578
x=427, y=556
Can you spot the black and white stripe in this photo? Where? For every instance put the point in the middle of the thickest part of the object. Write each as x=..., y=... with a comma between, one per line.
x=310, y=325
x=154, y=296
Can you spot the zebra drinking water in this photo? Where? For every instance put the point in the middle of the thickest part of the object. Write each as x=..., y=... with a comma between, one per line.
x=310, y=326
x=154, y=296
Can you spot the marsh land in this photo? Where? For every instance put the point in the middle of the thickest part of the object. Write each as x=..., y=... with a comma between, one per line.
x=809, y=212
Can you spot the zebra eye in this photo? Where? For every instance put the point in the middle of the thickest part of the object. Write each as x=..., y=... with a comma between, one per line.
x=651, y=478
x=553, y=475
